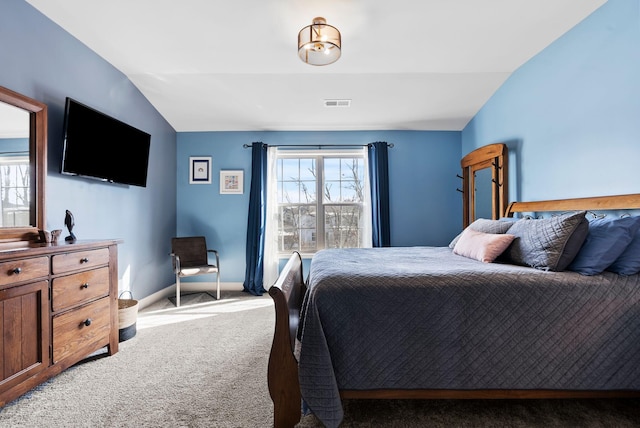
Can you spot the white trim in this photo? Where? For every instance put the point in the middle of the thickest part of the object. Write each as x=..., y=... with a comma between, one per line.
x=170, y=291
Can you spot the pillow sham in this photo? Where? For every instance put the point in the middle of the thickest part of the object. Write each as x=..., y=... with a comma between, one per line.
x=540, y=243
x=628, y=263
x=486, y=226
x=607, y=239
x=574, y=244
x=481, y=246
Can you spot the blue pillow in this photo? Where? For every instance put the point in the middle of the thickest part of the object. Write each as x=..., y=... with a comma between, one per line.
x=606, y=241
x=628, y=263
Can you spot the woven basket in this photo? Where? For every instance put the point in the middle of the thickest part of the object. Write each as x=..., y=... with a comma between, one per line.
x=127, y=317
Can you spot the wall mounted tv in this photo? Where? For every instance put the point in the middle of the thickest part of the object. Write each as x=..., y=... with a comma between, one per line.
x=102, y=147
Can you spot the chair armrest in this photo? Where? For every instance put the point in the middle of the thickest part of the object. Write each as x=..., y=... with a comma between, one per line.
x=217, y=258
x=175, y=261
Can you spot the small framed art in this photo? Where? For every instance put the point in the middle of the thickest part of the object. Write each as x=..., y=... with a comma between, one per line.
x=200, y=170
x=231, y=182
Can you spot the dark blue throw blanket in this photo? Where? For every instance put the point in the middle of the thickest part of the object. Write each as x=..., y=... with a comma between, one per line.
x=424, y=318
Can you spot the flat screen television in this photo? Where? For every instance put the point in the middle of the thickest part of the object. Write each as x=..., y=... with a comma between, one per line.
x=102, y=147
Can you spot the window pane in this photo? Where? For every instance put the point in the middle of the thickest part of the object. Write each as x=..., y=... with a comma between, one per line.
x=354, y=168
x=297, y=231
x=290, y=170
x=332, y=169
x=289, y=240
x=343, y=180
x=290, y=192
x=349, y=192
x=342, y=226
x=308, y=217
x=308, y=169
x=353, y=186
x=296, y=181
x=287, y=217
x=288, y=229
x=308, y=192
x=308, y=228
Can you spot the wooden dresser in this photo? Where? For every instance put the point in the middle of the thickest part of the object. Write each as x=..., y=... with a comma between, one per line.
x=58, y=304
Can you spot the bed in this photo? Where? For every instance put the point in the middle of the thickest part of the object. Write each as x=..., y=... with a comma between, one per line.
x=425, y=322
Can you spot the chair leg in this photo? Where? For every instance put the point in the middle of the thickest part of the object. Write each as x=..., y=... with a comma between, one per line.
x=177, y=291
x=218, y=285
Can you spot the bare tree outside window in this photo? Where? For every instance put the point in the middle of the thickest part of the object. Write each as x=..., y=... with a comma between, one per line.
x=14, y=190
x=308, y=222
x=343, y=199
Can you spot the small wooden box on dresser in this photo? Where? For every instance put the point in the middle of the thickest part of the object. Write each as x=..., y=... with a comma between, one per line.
x=58, y=305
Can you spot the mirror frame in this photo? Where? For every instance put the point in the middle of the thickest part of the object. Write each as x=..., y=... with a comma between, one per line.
x=38, y=165
x=492, y=156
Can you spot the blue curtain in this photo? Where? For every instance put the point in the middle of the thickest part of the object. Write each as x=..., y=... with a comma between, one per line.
x=256, y=223
x=379, y=182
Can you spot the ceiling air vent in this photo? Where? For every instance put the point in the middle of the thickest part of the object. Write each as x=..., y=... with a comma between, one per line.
x=337, y=103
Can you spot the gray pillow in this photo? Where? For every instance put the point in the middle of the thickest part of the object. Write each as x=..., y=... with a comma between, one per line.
x=486, y=226
x=540, y=243
x=573, y=245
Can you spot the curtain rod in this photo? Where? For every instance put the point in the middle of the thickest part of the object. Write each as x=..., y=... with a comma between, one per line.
x=319, y=146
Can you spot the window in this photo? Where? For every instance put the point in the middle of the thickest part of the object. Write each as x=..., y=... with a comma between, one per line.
x=321, y=200
x=14, y=190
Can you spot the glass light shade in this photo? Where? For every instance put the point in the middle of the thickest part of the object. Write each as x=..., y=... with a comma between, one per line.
x=319, y=43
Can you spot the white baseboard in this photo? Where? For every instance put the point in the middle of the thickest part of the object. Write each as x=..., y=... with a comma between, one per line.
x=187, y=287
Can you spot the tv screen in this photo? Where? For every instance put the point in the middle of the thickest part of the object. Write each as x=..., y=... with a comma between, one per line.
x=102, y=147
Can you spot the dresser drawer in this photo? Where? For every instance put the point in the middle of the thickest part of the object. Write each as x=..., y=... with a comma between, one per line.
x=67, y=262
x=83, y=329
x=80, y=287
x=23, y=270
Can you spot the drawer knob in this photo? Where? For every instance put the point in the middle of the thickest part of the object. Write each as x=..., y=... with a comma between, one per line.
x=17, y=270
x=85, y=285
x=84, y=260
x=87, y=322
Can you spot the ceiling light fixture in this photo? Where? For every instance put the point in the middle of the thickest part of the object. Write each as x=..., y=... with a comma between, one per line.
x=319, y=43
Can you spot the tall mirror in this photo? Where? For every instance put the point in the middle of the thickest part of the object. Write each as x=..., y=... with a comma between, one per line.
x=484, y=183
x=483, y=200
x=23, y=170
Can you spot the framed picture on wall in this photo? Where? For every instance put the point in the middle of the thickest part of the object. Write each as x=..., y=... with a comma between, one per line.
x=200, y=170
x=231, y=182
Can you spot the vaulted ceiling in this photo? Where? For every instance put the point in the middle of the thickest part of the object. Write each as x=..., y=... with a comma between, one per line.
x=220, y=65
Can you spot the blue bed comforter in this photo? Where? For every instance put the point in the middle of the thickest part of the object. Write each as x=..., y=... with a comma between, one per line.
x=425, y=318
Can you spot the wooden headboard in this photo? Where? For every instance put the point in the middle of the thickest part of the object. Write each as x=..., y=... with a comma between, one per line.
x=598, y=203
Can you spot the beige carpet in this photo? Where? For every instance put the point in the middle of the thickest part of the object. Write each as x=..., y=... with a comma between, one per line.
x=205, y=365
x=200, y=365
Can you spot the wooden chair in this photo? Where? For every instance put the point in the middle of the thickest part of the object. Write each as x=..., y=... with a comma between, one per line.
x=190, y=257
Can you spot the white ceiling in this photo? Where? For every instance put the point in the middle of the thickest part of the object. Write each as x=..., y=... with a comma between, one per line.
x=224, y=65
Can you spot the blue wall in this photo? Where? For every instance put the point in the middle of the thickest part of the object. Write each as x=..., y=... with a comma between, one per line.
x=571, y=115
x=44, y=62
x=426, y=209
x=571, y=118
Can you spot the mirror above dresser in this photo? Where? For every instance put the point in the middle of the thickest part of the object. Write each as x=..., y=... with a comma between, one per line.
x=23, y=168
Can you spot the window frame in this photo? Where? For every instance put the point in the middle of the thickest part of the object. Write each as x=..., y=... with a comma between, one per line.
x=320, y=205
